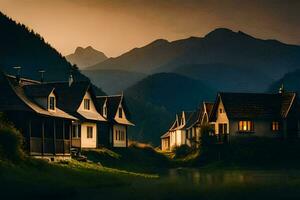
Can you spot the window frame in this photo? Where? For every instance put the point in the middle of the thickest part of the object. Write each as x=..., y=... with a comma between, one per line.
x=120, y=112
x=248, y=124
x=86, y=104
x=50, y=104
x=89, y=132
x=275, y=126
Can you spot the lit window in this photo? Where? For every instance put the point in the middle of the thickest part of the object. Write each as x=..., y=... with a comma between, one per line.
x=120, y=113
x=246, y=126
x=89, y=132
x=52, y=103
x=86, y=104
x=275, y=126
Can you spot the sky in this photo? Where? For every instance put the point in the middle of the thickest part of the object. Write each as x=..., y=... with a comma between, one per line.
x=116, y=26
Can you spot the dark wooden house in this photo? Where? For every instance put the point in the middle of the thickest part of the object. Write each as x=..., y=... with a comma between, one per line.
x=32, y=107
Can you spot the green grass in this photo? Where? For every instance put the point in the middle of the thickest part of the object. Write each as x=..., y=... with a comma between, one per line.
x=137, y=159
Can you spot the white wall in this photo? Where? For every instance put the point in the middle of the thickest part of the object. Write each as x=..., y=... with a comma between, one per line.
x=88, y=142
x=221, y=118
x=92, y=106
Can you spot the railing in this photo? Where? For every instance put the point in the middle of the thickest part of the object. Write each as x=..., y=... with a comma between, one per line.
x=40, y=147
x=76, y=142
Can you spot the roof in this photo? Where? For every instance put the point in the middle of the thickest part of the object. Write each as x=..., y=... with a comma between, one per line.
x=112, y=103
x=38, y=90
x=255, y=105
x=15, y=99
x=167, y=134
x=209, y=106
x=69, y=98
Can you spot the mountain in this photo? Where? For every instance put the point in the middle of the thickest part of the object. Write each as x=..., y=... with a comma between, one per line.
x=220, y=48
x=84, y=57
x=113, y=81
x=21, y=46
x=290, y=81
x=226, y=77
x=168, y=93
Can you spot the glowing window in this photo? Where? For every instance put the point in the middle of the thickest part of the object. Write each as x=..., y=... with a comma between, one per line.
x=246, y=126
x=275, y=126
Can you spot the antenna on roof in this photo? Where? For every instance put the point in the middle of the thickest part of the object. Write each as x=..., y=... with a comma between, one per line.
x=42, y=75
x=281, y=89
x=71, y=79
x=18, y=72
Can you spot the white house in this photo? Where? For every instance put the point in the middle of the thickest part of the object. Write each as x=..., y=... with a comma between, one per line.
x=78, y=99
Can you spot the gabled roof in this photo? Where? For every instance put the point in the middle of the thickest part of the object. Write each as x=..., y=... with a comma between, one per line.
x=15, y=99
x=69, y=98
x=38, y=90
x=254, y=105
x=112, y=103
x=209, y=106
x=166, y=135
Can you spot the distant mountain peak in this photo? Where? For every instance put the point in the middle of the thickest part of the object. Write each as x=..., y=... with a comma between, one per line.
x=158, y=42
x=84, y=57
x=220, y=32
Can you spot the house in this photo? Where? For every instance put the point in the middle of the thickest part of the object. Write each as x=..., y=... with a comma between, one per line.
x=115, y=111
x=32, y=107
x=79, y=100
x=256, y=114
x=184, y=130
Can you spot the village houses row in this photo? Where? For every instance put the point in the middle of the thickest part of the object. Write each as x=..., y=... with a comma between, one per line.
x=236, y=115
x=57, y=116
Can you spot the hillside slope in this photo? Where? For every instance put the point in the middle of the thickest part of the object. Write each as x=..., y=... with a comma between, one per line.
x=154, y=101
x=21, y=46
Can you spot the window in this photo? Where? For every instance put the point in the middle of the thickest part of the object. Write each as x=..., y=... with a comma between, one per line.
x=104, y=111
x=76, y=131
x=120, y=135
x=221, y=110
x=246, y=126
x=275, y=126
x=52, y=103
x=120, y=112
x=89, y=132
x=86, y=104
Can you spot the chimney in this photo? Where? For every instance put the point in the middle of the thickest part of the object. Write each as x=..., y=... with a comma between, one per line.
x=71, y=80
x=42, y=75
x=18, y=71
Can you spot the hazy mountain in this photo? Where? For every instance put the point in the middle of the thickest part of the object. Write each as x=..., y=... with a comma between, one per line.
x=21, y=46
x=290, y=81
x=169, y=93
x=220, y=48
x=113, y=81
x=225, y=77
x=84, y=57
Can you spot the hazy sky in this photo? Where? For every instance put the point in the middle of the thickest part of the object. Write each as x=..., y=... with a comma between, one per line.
x=116, y=26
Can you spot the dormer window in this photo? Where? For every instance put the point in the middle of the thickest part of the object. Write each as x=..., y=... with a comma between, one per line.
x=104, y=111
x=120, y=112
x=87, y=104
x=52, y=103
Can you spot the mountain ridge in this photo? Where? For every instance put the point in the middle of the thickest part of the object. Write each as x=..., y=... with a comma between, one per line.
x=84, y=57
